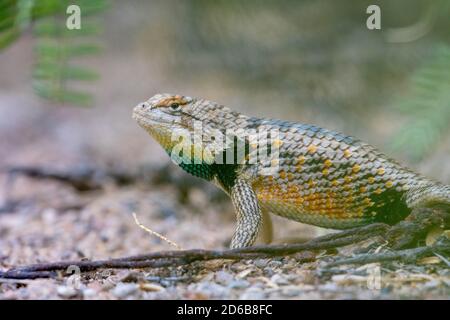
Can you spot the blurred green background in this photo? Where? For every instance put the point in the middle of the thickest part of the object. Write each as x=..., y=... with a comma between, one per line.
x=308, y=61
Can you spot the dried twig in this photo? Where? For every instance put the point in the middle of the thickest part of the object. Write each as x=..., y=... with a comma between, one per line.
x=82, y=178
x=154, y=233
x=442, y=258
x=407, y=255
x=26, y=275
x=183, y=257
x=87, y=177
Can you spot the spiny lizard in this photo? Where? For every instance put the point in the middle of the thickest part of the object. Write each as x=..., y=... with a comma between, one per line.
x=322, y=177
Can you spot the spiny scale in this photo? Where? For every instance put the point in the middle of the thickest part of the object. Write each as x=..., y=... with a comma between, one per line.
x=332, y=180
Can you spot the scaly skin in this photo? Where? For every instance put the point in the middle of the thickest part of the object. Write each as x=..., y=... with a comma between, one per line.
x=323, y=177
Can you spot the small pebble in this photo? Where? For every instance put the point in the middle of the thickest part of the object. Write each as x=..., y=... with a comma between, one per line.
x=67, y=292
x=89, y=293
x=238, y=284
x=150, y=287
x=347, y=279
x=292, y=277
x=329, y=287
x=253, y=294
x=275, y=264
x=209, y=289
x=261, y=263
x=224, y=277
x=123, y=290
x=244, y=273
x=269, y=272
x=279, y=279
x=432, y=284
x=291, y=291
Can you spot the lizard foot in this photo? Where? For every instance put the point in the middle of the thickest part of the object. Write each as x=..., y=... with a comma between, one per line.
x=414, y=230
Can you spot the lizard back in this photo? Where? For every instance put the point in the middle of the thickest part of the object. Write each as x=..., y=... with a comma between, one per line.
x=331, y=180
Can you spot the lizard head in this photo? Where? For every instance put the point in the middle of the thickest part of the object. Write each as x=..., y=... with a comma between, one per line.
x=166, y=117
x=162, y=111
x=163, y=115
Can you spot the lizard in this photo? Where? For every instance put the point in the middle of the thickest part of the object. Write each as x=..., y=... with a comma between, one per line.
x=320, y=177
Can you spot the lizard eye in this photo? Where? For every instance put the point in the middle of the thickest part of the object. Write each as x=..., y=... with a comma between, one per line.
x=174, y=106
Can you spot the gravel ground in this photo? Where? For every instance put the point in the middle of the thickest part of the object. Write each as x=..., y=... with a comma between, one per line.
x=45, y=227
x=42, y=220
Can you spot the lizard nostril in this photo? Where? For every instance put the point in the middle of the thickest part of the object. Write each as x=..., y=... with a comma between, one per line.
x=143, y=106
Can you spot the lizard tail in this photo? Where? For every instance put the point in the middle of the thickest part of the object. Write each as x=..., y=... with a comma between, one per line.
x=434, y=195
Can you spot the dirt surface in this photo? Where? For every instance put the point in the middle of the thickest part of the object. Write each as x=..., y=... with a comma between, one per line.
x=45, y=220
x=45, y=226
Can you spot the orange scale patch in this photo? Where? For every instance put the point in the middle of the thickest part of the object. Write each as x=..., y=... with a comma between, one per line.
x=349, y=199
x=329, y=205
x=301, y=160
x=347, y=153
x=356, y=168
x=331, y=195
x=298, y=201
x=348, y=179
x=293, y=191
x=328, y=163
x=347, y=187
x=312, y=149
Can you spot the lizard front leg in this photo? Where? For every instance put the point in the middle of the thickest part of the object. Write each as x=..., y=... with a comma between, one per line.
x=248, y=213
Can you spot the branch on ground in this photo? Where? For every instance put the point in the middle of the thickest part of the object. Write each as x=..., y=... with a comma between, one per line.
x=82, y=178
x=87, y=178
x=442, y=246
x=184, y=257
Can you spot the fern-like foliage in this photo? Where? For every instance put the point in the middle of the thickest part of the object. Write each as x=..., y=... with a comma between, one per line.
x=427, y=106
x=14, y=18
x=57, y=48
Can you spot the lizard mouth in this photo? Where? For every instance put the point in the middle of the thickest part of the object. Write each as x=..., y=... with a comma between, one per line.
x=148, y=119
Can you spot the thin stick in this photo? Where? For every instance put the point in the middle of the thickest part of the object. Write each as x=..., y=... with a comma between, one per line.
x=154, y=233
x=184, y=257
x=407, y=255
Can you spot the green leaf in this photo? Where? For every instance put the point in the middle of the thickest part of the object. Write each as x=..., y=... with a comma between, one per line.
x=51, y=29
x=79, y=73
x=427, y=106
x=23, y=17
x=52, y=51
x=58, y=95
x=7, y=37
